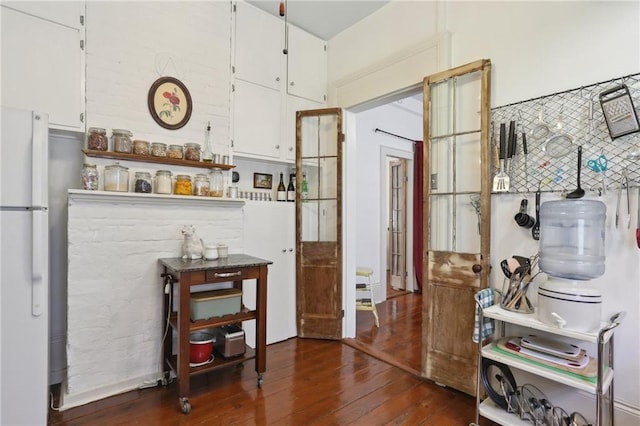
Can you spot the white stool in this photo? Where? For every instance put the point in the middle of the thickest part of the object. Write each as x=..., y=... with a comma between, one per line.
x=364, y=293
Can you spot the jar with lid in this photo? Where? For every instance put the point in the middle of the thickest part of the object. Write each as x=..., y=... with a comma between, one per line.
x=89, y=177
x=201, y=185
x=116, y=178
x=216, y=183
x=163, y=182
x=159, y=149
x=122, y=141
x=183, y=185
x=175, y=151
x=141, y=147
x=192, y=151
x=97, y=139
x=143, y=182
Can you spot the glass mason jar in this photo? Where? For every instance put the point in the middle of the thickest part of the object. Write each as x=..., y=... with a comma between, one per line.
x=159, y=149
x=216, y=183
x=201, y=185
x=89, y=177
x=122, y=141
x=97, y=139
x=192, y=151
x=175, y=151
x=142, y=182
x=116, y=178
x=163, y=182
x=141, y=147
x=183, y=185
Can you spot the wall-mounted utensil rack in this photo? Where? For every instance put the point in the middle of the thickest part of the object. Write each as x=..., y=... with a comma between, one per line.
x=583, y=120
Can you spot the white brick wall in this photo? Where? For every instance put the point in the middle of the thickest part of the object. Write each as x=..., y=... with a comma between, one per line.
x=114, y=288
x=131, y=44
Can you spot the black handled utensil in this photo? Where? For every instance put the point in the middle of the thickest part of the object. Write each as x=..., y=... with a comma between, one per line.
x=579, y=192
x=535, y=231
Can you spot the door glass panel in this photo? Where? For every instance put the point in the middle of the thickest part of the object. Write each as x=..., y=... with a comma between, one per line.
x=441, y=166
x=441, y=223
x=328, y=219
x=468, y=162
x=327, y=178
x=467, y=224
x=467, y=92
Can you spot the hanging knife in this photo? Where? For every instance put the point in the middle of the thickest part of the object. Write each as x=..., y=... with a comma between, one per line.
x=526, y=165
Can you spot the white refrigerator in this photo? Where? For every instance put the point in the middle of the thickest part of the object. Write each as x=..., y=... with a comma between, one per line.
x=24, y=257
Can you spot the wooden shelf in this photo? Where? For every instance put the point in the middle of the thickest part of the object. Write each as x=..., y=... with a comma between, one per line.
x=156, y=160
x=218, y=362
x=214, y=322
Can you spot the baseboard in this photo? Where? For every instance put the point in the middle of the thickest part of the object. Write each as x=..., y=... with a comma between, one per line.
x=68, y=401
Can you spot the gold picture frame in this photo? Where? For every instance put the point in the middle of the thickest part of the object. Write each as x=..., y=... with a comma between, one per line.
x=169, y=103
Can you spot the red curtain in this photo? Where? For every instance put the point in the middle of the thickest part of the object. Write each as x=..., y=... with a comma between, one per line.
x=417, y=213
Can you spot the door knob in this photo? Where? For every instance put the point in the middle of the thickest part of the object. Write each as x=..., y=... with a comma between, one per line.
x=476, y=268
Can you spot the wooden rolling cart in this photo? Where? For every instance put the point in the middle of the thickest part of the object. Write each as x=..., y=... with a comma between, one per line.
x=187, y=273
x=602, y=387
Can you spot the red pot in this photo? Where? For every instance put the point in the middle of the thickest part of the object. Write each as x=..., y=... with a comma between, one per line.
x=201, y=347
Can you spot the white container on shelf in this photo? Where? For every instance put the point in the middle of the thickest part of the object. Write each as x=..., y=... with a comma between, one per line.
x=569, y=304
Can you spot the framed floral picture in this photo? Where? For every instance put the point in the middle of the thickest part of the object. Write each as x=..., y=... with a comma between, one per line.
x=169, y=103
x=262, y=180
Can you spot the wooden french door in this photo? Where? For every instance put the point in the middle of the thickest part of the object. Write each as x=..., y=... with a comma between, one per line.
x=319, y=141
x=456, y=263
x=397, y=235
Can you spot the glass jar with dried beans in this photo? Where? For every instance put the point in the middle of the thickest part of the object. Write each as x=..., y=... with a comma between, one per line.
x=143, y=182
x=175, y=151
x=141, y=147
x=192, y=151
x=159, y=149
x=97, y=139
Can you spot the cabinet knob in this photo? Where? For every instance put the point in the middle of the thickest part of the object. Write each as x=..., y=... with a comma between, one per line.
x=290, y=249
x=290, y=148
x=476, y=268
x=284, y=250
x=277, y=146
x=292, y=83
x=277, y=78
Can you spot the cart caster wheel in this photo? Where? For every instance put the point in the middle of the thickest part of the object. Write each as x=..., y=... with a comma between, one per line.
x=185, y=405
x=260, y=381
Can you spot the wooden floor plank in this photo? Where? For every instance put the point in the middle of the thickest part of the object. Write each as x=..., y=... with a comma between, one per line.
x=307, y=382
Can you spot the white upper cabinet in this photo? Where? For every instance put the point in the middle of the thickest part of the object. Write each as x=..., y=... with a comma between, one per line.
x=307, y=65
x=258, y=47
x=43, y=61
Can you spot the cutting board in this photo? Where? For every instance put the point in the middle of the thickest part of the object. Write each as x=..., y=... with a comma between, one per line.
x=588, y=367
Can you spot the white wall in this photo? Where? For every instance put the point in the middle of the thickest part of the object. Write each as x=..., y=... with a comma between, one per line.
x=536, y=48
x=370, y=146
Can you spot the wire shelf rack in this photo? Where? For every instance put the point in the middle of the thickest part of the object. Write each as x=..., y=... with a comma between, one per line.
x=580, y=116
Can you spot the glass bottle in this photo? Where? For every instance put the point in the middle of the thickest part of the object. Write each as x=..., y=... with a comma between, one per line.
x=282, y=191
x=304, y=188
x=216, y=182
x=291, y=190
x=89, y=177
x=163, y=182
x=207, y=153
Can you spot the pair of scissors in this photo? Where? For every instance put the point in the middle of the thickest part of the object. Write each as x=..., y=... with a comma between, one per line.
x=599, y=165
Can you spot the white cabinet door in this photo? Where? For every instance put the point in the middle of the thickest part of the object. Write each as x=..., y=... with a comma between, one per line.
x=307, y=65
x=67, y=13
x=269, y=233
x=257, y=120
x=42, y=68
x=258, y=46
x=294, y=104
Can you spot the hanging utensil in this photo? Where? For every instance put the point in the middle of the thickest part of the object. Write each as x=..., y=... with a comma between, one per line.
x=579, y=192
x=600, y=165
x=540, y=131
x=559, y=144
x=535, y=231
x=624, y=180
x=526, y=164
x=501, y=180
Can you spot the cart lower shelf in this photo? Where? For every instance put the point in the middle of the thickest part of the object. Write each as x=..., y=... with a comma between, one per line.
x=489, y=410
x=218, y=362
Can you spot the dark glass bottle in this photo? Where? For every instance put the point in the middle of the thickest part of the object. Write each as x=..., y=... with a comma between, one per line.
x=291, y=190
x=282, y=191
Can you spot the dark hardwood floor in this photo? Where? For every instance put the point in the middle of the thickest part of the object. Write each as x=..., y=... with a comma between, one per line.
x=307, y=382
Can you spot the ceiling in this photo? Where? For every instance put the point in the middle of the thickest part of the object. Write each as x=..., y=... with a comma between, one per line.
x=323, y=18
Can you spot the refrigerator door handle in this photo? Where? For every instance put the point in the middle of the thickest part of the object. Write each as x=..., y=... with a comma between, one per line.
x=39, y=161
x=38, y=263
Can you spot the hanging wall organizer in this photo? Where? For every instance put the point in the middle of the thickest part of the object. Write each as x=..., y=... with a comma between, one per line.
x=555, y=125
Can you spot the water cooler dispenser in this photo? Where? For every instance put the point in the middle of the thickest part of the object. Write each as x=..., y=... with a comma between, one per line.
x=571, y=253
